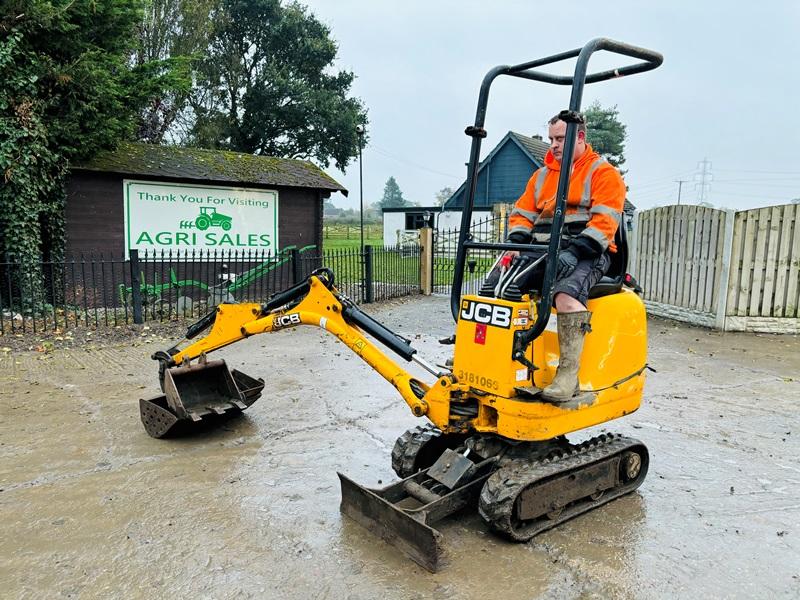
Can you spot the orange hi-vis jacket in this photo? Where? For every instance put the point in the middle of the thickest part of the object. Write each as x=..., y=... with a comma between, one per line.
x=595, y=199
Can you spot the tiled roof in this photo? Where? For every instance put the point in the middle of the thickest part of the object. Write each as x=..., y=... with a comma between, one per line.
x=537, y=147
x=210, y=165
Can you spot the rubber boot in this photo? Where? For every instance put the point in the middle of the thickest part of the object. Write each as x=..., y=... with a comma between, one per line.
x=571, y=329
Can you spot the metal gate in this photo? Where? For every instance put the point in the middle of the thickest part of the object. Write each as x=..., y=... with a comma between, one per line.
x=445, y=246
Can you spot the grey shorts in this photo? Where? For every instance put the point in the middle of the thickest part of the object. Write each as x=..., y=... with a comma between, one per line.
x=585, y=276
x=577, y=284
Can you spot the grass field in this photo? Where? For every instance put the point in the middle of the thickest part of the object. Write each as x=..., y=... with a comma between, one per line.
x=339, y=235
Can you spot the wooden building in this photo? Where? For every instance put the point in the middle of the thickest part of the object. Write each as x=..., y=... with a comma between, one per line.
x=171, y=198
x=505, y=171
x=502, y=176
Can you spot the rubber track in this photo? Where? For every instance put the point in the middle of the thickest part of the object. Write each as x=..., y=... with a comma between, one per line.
x=498, y=495
x=408, y=446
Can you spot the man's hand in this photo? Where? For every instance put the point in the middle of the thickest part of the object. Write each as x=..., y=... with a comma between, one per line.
x=567, y=261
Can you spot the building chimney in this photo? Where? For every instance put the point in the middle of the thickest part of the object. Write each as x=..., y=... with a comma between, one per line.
x=537, y=136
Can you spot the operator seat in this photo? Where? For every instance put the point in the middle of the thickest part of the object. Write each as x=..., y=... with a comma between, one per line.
x=612, y=281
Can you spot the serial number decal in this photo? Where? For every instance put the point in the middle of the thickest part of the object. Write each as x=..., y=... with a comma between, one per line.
x=286, y=321
x=484, y=382
x=488, y=314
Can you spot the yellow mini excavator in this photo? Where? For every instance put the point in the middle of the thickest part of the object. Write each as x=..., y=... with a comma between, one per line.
x=490, y=438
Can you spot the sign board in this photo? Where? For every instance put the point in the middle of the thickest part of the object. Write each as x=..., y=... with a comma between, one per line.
x=172, y=216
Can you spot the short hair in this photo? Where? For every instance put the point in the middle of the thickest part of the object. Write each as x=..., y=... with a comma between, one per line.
x=581, y=124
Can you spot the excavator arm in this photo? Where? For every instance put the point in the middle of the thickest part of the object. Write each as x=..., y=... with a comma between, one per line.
x=314, y=301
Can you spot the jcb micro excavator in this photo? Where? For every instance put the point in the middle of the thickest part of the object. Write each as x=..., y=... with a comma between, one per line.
x=491, y=436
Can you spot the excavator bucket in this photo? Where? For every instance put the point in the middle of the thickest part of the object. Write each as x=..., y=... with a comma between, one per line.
x=197, y=396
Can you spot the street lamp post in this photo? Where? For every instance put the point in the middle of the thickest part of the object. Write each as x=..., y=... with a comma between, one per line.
x=360, y=130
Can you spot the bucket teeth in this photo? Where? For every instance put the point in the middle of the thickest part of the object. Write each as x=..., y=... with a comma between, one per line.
x=197, y=396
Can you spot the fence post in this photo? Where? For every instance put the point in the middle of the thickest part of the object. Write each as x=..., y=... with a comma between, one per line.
x=633, y=243
x=501, y=228
x=369, y=294
x=426, y=260
x=136, y=291
x=725, y=271
x=297, y=271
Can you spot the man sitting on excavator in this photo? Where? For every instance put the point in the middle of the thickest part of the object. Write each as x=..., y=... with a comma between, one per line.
x=594, y=211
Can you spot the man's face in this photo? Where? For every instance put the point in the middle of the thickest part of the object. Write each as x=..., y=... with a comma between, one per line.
x=557, y=132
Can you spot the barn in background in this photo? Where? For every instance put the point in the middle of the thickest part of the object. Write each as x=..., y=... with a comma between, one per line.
x=174, y=199
x=502, y=176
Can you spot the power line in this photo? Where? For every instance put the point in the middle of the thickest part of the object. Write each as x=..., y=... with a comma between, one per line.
x=666, y=178
x=659, y=186
x=759, y=197
x=767, y=178
x=383, y=152
x=793, y=185
x=757, y=171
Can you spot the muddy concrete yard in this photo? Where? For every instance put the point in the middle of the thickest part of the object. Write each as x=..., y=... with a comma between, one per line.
x=94, y=508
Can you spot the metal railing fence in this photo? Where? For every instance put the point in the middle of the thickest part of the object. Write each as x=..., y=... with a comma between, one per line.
x=103, y=290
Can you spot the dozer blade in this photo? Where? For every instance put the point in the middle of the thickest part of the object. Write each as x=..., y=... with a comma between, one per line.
x=420, y=542
x=402, y=512
x=197, y=397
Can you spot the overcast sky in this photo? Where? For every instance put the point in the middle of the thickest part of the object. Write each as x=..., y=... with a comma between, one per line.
x=728, y=90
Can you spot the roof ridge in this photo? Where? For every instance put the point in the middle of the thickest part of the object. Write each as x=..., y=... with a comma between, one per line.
x=228, y=166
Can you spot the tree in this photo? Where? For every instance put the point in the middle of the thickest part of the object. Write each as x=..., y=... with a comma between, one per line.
x=174, y=34
x=606, y=133
x=69, y=90
x=443, y=195
x=267, y=86
x=329, y=209
x=392, y=196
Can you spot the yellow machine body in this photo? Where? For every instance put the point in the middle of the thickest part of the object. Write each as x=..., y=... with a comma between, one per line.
x=487, y=391
x=611, y=374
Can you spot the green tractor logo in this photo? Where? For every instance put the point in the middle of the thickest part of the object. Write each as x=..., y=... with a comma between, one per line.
x=209, y=217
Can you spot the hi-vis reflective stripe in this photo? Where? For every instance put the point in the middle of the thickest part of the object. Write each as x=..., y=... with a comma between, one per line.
x=581, y=215
x=597, y=235
x=586, y=199
x=602, y=209
x=528, y=214
x=537, y=186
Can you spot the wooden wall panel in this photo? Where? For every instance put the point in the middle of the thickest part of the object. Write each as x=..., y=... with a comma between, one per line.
x=95, y=224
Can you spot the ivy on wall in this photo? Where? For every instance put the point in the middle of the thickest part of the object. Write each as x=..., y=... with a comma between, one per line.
x=69, y=90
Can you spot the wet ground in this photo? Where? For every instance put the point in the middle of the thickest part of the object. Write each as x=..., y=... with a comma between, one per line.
x=94, y=508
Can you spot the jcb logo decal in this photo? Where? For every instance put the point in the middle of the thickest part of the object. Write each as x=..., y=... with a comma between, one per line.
x=286, y=321
x=489, y=314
